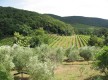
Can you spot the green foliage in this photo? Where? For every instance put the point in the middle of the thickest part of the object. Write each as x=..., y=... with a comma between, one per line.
x=106, y=41
x=42, y=51
x=40, y=70
x=101, y=60
x=4, y=74
x=21, y=57
x=38, y=37
x=82, y=20
x=60, y=54
x=7, y=41
x=21, y=40
x=72, y=54
x=6, y=63
x=6, y=58
x=22, y=21
x=86, y=54
x=33, y=61
x=24, y=29
x=95, y=41
x=56, y=55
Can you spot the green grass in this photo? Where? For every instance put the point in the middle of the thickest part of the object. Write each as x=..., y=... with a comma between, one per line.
x=7, y=41
x=72, y=70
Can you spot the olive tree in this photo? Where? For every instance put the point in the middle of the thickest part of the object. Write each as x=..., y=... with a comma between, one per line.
x=42, y=51
x=21, y=58
x=72, y=54
x=56, y=55
x=88, y=52
x=40, y=70
x=60, y=54
x=4, y=74
x=6, y=63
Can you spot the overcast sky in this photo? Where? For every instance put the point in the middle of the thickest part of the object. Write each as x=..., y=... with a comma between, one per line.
x=88, y=8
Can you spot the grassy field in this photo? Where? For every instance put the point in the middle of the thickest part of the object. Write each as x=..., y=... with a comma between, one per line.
x=75, y=71
x=72, y=71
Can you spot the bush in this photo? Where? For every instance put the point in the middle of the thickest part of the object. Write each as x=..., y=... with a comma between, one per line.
x=88, y=52
x=6, y=63
x=95, y=41
x=102, y=60
x=39, y=37
x=21, y=57
x=56, y=55
x=42, y=52
x=40, y=70
x=60, y=55
x=72, y=54
x=4, y=74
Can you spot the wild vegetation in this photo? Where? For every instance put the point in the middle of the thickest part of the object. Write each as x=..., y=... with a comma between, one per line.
x=36, y=46
x=22, y=21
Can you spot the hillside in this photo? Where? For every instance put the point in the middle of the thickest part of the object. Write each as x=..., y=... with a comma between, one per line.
x=82, y=20
x=16, y=20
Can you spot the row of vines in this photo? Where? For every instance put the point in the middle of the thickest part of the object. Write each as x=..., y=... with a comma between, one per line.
x=68, y=41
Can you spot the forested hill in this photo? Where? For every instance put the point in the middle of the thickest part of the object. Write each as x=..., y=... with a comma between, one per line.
x=82, y=20
x=16, y=20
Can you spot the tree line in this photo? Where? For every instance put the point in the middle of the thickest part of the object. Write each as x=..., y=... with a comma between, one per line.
x=22, y=21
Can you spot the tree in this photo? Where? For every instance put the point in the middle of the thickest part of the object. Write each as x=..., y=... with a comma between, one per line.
x=21, y=58
x=72, y=54
x=24, y=29
x=101, y=60
x=40, y=70
x=106, y=39
x=86, y=54
x=95, y=41
x=21, y=40
x=38, y=37
x=92, y=41
x=60, y=55
x=6, y=63
x=4, y=74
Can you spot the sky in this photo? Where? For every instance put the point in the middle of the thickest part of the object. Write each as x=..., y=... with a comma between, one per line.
x=88, y=8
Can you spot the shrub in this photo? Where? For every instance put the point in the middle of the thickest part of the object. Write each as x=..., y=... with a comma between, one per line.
x=42, y=52
x=102, y=60
x=6, y=63
x=40, y=70
x=60, y=55
x=86, y=54
x=21, y=58
x=56, y=55
x=72, y=54
x=4, y=74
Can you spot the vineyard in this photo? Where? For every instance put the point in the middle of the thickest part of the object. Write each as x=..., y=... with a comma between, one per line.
x=68, y=41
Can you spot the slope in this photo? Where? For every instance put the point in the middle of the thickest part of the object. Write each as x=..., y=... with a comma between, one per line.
x=16, y=20
x=83, y=20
